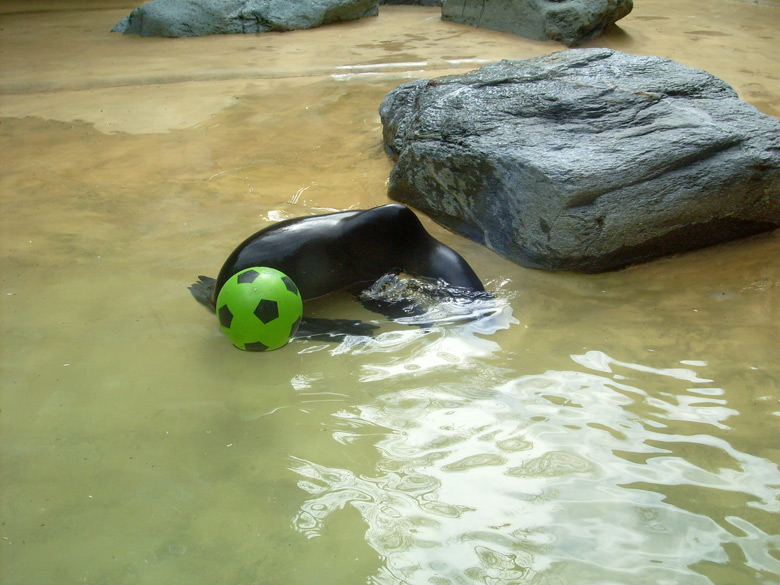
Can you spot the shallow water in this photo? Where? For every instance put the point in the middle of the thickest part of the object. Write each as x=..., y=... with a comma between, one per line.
x=617, y=428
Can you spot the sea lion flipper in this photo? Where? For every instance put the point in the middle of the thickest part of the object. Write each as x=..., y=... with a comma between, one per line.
x=203, y=291
x=333, y=329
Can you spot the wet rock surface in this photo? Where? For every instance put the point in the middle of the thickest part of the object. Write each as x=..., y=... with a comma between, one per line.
x=585, y=160
x=193, y=18
x=571, y=22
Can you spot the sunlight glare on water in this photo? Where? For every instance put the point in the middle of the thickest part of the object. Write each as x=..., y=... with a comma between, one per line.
x=560, y=476
x=576, y=429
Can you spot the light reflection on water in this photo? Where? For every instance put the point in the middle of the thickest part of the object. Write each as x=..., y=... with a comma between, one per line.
x=555, y=477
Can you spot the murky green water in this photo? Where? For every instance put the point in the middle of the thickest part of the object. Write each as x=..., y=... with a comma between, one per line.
x=618, y=428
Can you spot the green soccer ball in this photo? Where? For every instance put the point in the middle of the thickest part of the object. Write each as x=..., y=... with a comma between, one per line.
x=259, y=309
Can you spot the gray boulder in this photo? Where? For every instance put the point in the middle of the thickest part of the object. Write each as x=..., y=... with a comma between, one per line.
x=585, y=160
x=571, y=22
x=195, y=18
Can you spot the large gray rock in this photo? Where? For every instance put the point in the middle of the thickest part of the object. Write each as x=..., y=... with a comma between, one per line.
x=195, y=18
x=571, y=22
x=585, y=160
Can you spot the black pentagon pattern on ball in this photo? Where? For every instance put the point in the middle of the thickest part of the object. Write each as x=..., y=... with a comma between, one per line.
x=225, y=316
x=255, y=346
x=290, y=285
x=247, y=277
x=267, y=310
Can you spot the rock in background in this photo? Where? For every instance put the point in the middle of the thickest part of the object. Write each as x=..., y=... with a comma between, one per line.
x=194, y=18
x=586, y=159
x=571, y=22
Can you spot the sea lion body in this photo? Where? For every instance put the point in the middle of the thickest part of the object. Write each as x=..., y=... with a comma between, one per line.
x=323, y=254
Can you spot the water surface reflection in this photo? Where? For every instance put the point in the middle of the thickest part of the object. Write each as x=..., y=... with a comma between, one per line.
x=556, y=477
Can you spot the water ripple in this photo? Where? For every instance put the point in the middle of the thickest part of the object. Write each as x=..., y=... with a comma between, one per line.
x=562, y=476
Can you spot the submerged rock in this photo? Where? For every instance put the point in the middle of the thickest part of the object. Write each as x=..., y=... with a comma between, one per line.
x=571, y=22
x=195, y=18
x=586, y=159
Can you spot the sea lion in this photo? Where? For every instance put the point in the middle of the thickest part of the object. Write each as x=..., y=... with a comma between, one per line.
x=323, y=254
x=347, y=250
